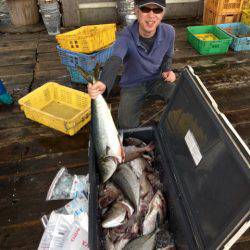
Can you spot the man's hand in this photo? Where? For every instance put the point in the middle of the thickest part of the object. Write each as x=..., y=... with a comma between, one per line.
x=169, y=76
x=96, y=89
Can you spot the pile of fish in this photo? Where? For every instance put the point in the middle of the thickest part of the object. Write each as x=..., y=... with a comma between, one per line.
x=133, y=208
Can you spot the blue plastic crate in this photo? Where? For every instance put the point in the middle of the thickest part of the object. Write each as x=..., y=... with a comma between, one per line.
x=85, y=61
x=76, y=76
x=235, y=30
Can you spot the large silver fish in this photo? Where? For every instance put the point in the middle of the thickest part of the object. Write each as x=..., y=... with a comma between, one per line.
x=115, y=216
x=132, y=152
x=105, y=135
x=145, y=242
x=106, y=139
x=129, y=184
x=107, y=194
x=156, y=210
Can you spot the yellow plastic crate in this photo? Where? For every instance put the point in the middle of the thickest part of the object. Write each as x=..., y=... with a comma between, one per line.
x=58, y=107
x=245, y=17
x=88, y=39
x=224, y=7
x=246, y=5
x=211, y=18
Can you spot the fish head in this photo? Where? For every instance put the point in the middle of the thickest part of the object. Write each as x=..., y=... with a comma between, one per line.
x=107, y=167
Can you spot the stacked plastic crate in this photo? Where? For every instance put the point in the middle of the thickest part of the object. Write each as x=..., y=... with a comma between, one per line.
x=240, y=34
x=239, y=31
x=245, y=18
x=85, y=47
x=222, y=28
x=223, y=11
x=246, y=4
x=208, y=39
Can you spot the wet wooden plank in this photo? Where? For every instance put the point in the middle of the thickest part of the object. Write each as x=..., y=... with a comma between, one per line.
x=44, y=163
x=14, y=119
x=21, y=78
x=44, y=47
x=31, y=147
x=6, y=110
x=11, y=135
x=55, y=75
x=231, y=95
x=238, y=116
x=227, y=78
x=48, y=56
x=33, y=131
x=245, y=237
x=6, y=189
x=18, y=91
x=30, y=186
x=241, y=246
x=183, y=22
x=243, y=129
x=7, y=71
x=48, y=66
x=19, y=213
x=45, y=37
x=7, y=37
x=26, y=180
x=21, y=236
x=29, y=197
x=203, y=64
x=18, y=58
x=18, y=45
x=61, y=79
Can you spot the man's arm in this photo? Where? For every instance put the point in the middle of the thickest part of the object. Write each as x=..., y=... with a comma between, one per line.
x=166, y=69
x=107, y=78
x=166, y=66
x=166, y=63
x=110, y=71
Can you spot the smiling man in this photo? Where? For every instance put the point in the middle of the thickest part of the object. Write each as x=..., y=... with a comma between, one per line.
x=145, y=49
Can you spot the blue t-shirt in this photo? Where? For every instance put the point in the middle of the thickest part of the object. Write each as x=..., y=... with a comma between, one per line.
x=139, y=65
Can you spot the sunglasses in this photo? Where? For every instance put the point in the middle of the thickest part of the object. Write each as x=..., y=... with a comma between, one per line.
x=146, y=9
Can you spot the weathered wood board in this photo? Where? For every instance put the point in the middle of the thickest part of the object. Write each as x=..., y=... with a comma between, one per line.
x=31, y=154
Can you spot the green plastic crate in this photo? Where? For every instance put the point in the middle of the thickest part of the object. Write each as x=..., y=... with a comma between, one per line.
x=219, y=46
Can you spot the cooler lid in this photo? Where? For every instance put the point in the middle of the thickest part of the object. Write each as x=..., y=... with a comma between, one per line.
x=211, y=167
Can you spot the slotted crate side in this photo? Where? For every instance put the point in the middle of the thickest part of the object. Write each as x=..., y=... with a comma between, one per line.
x=45, y=93
x=219, y=46
x=211, y=18
x=88, y=39
x=235, y=30
x=246, y=5
x=223, y=7
x=245, y=17
x=61, y=94
x=85, y=61
x=76, y=76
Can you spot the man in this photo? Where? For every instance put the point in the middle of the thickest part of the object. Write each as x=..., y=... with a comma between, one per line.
x=145, y=49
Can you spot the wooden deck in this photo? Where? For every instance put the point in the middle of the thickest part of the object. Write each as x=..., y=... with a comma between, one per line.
x=31, y=154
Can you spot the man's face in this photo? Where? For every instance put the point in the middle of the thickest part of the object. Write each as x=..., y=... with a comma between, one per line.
x=148, y=19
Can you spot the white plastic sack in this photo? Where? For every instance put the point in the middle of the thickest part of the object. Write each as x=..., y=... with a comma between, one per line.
x=77, y=238
x=75, y=207
x=58, y=227
x=67, y=186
